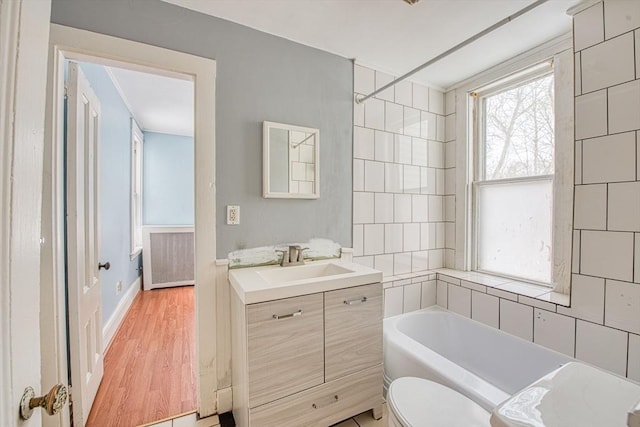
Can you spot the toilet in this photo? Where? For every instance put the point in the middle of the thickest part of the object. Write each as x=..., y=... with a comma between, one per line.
x=416, y=402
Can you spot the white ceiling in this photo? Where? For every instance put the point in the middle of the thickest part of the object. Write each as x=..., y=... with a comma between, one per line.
x=395, y=37
x=158, y=103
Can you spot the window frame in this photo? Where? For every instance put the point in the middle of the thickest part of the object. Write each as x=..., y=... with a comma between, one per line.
x=478, y=173
x=460, y=153
x=137, y=151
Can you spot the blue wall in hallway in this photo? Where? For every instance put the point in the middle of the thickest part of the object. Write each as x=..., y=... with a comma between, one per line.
x=114, y=190
x=168, y=179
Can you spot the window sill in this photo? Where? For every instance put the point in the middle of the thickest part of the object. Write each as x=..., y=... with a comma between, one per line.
x=137, y=251
x=522, y=292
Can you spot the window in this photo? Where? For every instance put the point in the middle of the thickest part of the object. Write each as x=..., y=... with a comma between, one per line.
x=137, y=140
x=513, y=187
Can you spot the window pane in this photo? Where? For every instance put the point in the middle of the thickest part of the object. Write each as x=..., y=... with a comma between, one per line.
x=518, y=131
x=514, y=229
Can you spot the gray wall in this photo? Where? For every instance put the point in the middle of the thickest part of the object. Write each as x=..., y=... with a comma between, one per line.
x=260, y=77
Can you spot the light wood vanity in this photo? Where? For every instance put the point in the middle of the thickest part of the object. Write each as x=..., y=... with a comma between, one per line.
x=308, y=358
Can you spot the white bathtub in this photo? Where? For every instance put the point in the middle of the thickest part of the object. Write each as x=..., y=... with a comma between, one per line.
x=483, y=363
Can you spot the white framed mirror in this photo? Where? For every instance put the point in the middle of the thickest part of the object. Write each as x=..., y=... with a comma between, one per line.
x=291, y=163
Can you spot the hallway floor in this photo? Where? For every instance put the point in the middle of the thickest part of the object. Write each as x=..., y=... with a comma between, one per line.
x=149, y=369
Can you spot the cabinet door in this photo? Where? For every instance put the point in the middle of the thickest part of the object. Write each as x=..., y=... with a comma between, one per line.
x=285, y=347
x=353, y=330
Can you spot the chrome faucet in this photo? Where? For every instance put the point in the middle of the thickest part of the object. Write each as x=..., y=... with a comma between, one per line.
x=293, y=256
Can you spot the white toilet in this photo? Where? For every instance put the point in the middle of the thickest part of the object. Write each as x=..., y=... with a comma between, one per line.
x=416, y=402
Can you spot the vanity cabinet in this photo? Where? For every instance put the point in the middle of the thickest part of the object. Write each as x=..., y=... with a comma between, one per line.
x=310, y=360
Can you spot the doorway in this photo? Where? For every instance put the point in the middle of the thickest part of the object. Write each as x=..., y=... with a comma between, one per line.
x=144, y=176
x=78, y=45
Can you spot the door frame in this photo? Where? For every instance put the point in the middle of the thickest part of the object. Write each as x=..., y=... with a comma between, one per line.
x=71, y=43
x=24, y=33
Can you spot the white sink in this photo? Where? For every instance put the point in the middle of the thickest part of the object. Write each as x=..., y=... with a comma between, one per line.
x=259, y=284
x=302, y=272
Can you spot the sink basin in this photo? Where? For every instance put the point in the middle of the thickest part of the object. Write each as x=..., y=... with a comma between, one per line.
x=260, y=284
x=302, y=272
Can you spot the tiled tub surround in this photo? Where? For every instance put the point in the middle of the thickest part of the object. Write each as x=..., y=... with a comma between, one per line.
x=530, y=312
x=399, y=205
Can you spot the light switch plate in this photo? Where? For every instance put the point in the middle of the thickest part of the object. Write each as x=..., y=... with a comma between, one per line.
x=233, y=215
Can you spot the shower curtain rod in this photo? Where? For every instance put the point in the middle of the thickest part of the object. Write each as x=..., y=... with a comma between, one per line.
x=457, y=47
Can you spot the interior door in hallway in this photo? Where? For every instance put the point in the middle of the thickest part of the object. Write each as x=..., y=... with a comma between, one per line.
x=83, y=248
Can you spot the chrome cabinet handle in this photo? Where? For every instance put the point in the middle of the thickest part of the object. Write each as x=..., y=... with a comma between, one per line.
x=335, y=399
x=286, y=316
x=356, y=301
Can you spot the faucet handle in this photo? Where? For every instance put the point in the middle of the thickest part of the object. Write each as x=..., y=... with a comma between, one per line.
x=301, y=254
x=285, y=256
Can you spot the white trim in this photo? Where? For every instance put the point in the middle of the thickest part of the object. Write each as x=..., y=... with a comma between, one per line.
x=72, y=43
x=9, y=35
x=111, y=327
x=464, y=128
x=137, y=169
x=584, y=5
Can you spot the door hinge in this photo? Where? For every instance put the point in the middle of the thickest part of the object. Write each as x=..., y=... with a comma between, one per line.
x=66, y=92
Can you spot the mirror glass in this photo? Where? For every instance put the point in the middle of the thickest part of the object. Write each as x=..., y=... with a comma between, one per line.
x=291, y=163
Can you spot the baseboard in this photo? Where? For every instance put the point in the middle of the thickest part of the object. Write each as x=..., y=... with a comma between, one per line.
x=111, y=327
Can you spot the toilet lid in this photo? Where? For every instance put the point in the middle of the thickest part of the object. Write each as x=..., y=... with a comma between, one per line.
x=417, y=402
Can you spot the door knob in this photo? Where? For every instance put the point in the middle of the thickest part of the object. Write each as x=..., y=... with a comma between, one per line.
x=106, y=265
x=52, y=402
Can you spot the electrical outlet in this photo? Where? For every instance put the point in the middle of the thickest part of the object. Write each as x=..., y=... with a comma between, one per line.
x=233, y=215
x=118, y=287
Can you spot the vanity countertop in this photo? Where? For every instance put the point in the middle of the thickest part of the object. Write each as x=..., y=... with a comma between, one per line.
x=267, y=283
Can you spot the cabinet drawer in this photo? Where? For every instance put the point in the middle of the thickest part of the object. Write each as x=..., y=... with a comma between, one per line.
x=353, y=330
x=284, y=347
x=323, y=405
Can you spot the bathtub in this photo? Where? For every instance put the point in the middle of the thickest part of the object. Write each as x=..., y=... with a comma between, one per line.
x=483, y=363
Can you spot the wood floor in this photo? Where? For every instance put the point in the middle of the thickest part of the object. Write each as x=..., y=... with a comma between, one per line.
x=149, y=369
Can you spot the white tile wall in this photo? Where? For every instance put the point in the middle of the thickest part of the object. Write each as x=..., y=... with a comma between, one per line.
x=421, y=97
x=392, y=238
x=384, y=263
x=633, y=365
x=362, y=207
x=590, y=207
x=374, y=114
x=609, y=158
x=620, y=17
x=591, y=114
x=624, y=206
x=363, y=145
x=381, y=80
x=394, y=121
x=624, y=107
x=485, y=308
x=373, y=176
x=608, y=64
x=364, y=80
x=383, y=208
x=587, y=299
x=412, y=125
x=358, y=175
x=588, y=27
x=428, y=294
x=412, y=298
x=459, y=300
x=602, y=346
x=393, y=300
x=607, y=254
x=404, y=93
x=442, y=294
x=373, y=239
x=384, y=146
x=554, y=331
x=402, y=209
x=622, y=307
x=516, y=319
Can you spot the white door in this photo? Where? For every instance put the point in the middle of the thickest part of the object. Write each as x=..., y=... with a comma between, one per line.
x=83, y=250
x=24, y=34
